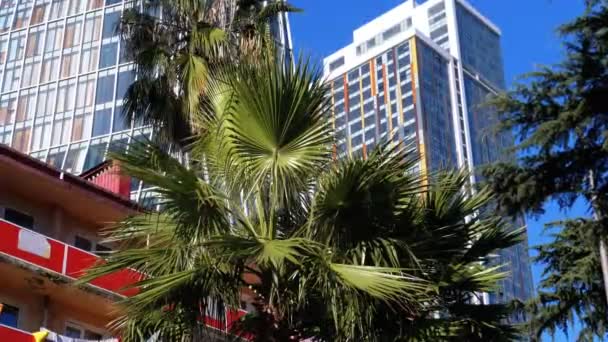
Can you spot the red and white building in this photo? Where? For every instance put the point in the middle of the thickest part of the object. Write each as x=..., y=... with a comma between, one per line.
x=49, y=235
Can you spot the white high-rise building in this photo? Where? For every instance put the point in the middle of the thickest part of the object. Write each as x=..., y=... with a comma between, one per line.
x=419, y=74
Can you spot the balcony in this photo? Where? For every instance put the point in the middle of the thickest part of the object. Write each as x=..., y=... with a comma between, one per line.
x=58, y=257
x=14, y=335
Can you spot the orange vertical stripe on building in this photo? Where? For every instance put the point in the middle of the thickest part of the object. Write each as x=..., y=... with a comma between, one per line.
x=333, y=116
x=362, y=115
x=333, y=107
x=387, y=102
x=414, y=74
x=372, y=71
x=346, y=112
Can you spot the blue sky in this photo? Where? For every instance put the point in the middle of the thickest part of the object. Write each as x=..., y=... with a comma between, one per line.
x=528, y=39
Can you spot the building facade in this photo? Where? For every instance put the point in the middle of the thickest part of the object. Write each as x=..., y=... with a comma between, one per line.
x=49, y=236
x=63, y=78
x=49, y=224
x=419, y=75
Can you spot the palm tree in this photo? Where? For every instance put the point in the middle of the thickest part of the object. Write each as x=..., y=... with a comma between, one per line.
x=348, y=250
x=175, y=45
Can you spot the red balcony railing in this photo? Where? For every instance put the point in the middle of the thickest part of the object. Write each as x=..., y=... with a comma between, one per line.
x=59, y=257
x=14, y=335
x=56, y=256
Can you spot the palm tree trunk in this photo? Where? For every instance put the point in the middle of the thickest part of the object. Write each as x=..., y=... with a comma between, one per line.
x=604, y=262
x=598, y=215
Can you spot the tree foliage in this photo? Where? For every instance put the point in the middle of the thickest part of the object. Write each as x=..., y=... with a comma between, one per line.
x=176, y=44
x=348, y=250
x=560, y=117
x=572, y=288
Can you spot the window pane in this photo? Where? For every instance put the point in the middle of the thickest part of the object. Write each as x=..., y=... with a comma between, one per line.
x=120, y=120
x=75, y=159
x=94, y=4
x=39, y=11
x=34, y=43
x=46, y=100
x=42, y=133
x=52, y=53
x=25, y=105
x=76, y=6
x=105, y=89
x=18, y=218
x=21, y=139
x=8, y=104
x=119, y=143
x=66, y=95
x=83, y=123
x=125, y=79
x=9, y=315
x=110, y=24
x=108, y=54
x=55, y=157
x=62, y=127
x=95, y=155
x=3, y=48
x=72, y=33
x=101, y=123
x=16, y=46
x=58, y=8
x=82, y=243
x=86, y=86
x=92, y=27
x=73, y=332
x=24, y=8
x=89, y=58
x=89, y=335
x=6, y=12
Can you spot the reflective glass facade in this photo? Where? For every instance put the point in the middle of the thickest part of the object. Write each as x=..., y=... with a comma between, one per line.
x=483, y=76
x=419, y=75
x=479, y=47
x=436, y=109
x=63, y=77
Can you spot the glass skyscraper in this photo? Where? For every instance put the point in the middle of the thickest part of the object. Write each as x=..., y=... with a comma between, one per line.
x=63, y=77
x=419, y=75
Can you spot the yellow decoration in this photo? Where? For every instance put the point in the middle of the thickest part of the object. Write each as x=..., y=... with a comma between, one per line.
x=40, y=336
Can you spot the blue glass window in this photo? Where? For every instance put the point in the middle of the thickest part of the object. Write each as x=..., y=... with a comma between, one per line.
x=107, y=56
x=125, y=79
x=105, y=89
x=110, y=24
x=120, y=121
x=95, y=155
x=101, y=122
x=9, y=316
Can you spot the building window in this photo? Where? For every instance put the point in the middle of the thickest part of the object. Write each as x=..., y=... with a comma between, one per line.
x=386, y=35
x=82, y=243
x=90, y=246
x=371, y=43
x=439, y=32
x=436, y=9
x=38, y=13
x=76, y=331
x=19, y=218
x=9, y=315
x=336, y=64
